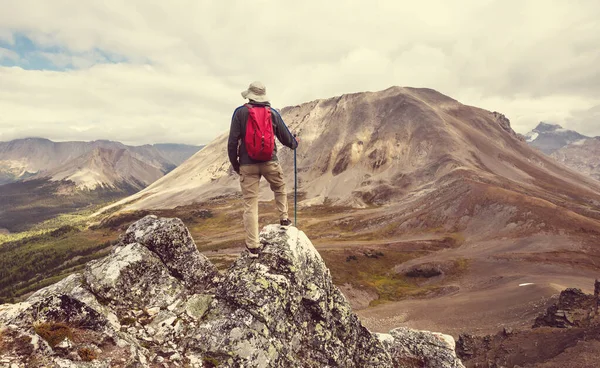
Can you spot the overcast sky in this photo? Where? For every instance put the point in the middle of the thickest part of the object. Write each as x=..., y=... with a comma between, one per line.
x=149, y=71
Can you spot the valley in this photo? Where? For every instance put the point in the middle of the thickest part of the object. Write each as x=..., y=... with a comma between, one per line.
x=429, y=214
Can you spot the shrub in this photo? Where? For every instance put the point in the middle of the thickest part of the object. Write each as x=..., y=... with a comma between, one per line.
x=87, y=354
x=53, y=332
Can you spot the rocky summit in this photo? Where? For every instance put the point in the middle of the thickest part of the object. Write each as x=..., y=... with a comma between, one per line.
x=155, y=301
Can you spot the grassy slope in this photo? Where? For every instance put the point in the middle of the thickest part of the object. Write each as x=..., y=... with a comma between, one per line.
x=25, y=204
x=49, y=251
x=31, y=263
x=60, y=246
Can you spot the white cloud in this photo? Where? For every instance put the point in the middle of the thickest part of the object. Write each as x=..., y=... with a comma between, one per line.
x=76, y=61
x=8, y=54
x=183, y=63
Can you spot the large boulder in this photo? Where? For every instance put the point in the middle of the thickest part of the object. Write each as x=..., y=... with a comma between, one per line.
x=287, y=310
x=156, y=301
x=171, y=241
x=133, y=277
x=574, y=308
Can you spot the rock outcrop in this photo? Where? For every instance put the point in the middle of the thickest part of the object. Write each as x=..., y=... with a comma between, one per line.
x=155, y=301
x=573, y=309
x=566, y=335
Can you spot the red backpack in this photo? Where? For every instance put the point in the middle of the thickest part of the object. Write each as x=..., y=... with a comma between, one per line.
x=259, y=140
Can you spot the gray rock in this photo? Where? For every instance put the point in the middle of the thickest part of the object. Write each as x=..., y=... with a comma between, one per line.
x=278, y=310
x=421, y=348
x=173, y=243
x=286, y=309
x=133, y=277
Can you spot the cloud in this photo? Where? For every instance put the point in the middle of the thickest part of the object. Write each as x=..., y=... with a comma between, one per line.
x=7, y=54
x=585, y=121
x=150, y=71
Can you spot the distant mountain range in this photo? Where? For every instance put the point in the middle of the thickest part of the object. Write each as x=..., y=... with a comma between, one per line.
x=40, y=179
x=549, y=138
x=575, y=150
x=89, y=164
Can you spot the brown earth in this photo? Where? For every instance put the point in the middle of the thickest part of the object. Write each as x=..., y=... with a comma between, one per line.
x=566, y=335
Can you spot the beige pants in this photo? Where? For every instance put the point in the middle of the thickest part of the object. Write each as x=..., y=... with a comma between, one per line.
x=249, y=179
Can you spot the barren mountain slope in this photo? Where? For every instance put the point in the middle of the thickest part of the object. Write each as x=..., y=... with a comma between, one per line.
x=23, y=158
x=176, y=153
x=394, y=147
x=106, y=168
x=582, y=156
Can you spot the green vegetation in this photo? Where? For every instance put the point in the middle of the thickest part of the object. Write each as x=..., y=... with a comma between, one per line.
x=34, y=262
x=76, y=220
x=48, y=252
x=373, y=270
x=25, y=204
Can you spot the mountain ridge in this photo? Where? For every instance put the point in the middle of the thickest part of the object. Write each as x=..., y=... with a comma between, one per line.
x=420, y=139
x=551, y=137
x=21, y=159
x=572, y=149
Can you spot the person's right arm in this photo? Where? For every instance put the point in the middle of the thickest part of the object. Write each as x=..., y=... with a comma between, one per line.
x=282, y=132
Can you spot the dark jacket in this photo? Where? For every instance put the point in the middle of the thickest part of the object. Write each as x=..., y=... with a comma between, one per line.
x=238, y=132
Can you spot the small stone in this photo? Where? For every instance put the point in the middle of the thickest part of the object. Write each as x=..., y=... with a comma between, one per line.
x=65, y=344
x=74, y=356
x=152, y=311
x=175, y=357
x=174, y=306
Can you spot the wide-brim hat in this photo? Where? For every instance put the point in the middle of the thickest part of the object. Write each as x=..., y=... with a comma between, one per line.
x=256, y=92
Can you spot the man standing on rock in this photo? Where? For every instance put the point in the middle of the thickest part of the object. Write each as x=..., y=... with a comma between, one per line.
x=253, y=154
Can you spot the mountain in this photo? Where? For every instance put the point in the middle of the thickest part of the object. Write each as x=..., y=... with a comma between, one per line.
x=400, y=145
x=551, y=137
x=40, y=179
x=433, y=192
x=155, y=301
x=570, y=148
x=176, y=153
x=34, y=157
x=108, y=168
x=582, y=156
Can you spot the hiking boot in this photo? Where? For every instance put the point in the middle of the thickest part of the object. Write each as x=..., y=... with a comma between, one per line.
x=285, y=222
x=253, y=252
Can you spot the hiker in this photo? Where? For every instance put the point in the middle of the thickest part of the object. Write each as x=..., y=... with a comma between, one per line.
x=253, y=154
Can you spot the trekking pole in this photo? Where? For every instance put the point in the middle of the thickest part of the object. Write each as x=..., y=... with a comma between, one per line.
x=295, y=188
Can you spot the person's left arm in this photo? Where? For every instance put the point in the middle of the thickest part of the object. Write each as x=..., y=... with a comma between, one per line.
x=235, y=134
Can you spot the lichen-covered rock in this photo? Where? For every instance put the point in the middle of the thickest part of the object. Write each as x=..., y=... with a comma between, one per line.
x=573, y=309
x=421, y=348
x=144, y=306
x=173, y=243
x=133, y=277
x=65, y=309
x=75, y=287
x=286, y=310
